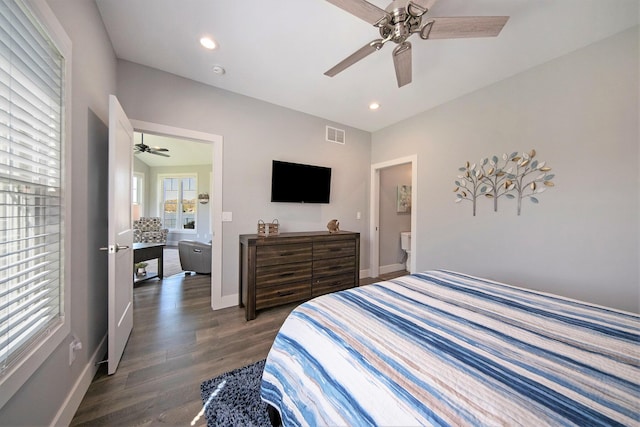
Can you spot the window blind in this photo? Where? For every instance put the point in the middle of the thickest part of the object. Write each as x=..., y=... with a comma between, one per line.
x=31, y=170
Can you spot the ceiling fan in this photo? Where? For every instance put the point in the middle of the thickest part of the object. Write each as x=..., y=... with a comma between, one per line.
x=400, y=20
x=142, y=148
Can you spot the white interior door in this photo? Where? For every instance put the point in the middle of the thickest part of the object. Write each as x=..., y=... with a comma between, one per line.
x=120, y=245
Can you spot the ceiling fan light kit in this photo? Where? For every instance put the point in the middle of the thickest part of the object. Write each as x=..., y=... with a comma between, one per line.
x=400, y=20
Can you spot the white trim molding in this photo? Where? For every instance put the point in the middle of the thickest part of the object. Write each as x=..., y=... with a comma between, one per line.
x=374, y=208
x=217, y=299
x=74, y=398
x=13, y=378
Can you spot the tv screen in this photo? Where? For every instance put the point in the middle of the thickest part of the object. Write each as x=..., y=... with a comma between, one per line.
x=298, y=183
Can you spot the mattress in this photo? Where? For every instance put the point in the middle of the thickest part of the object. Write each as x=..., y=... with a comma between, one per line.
x=444, y=348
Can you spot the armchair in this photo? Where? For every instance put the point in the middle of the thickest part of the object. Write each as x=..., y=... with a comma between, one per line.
x=195, y=256
x=149, y=230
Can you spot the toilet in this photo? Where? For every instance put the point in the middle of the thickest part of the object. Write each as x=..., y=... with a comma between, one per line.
x=405, y=244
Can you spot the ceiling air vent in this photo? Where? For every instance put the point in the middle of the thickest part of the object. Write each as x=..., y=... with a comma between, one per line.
x=335, y=135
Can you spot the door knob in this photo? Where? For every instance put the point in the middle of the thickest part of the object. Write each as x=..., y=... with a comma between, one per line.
x=112, y=249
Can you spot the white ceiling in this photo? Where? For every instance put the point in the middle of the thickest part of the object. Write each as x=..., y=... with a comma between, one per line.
x=277, y=51
x=181, y=152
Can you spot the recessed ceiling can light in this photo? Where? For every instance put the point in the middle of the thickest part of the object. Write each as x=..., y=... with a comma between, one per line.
x=217, y=69
x=208, y=43
x=374, y=106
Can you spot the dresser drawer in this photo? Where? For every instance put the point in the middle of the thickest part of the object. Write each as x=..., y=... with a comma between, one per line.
x=333, y=249
x=283, y=273
x=293, y=267
x=280, y=254
x=333, y=267
x=326, y=285
x=282, y=294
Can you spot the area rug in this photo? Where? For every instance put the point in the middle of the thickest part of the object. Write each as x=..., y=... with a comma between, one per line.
x=233, y=398
x=171, y=265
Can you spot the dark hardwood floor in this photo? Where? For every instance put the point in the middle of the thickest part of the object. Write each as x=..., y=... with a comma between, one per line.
x=177, y=342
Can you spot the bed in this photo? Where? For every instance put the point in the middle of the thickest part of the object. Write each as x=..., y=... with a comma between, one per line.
x=444, y=348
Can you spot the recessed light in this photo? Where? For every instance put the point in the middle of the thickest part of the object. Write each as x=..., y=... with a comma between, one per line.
x=208, y=43
x=217, y=69
x=374, y=106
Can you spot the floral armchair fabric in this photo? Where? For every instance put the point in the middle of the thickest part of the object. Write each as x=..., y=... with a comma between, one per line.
x=149, y=230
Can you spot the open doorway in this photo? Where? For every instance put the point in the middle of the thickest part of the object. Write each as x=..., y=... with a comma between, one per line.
x=171, y=186
x=174, y=185
x=398, y=196
x=205, y=228
x=395, y=219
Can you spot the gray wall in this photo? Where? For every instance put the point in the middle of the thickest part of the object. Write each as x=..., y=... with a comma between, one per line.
x=93, y=79
x=255, y=133
x=580, y=112
x=392, y=222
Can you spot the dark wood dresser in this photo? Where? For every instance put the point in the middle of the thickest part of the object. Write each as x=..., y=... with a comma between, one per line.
x=290, y=267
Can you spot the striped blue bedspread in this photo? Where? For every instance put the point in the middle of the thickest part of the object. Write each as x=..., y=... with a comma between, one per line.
x=443, y=348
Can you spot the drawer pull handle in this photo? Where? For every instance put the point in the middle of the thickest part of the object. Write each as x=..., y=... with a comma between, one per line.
x=285, y=293
x=291, y=273
x=286, y=254
x=336, y=249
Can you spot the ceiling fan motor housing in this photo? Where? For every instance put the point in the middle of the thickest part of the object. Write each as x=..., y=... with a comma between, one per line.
x=402, y=21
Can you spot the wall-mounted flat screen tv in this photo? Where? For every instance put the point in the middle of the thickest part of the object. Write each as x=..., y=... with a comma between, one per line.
x=299, y=183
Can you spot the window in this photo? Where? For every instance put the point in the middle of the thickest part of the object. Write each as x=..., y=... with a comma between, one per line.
x=33, y=291
x=179, y=202
x=137, y=195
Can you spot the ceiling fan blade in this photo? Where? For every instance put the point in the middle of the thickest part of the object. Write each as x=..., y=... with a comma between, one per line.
x=402, y=63
x=159, y=149
x=425, y=4
x=356, y=56
x=361, y=9
x=158, y=154
x=465, y=26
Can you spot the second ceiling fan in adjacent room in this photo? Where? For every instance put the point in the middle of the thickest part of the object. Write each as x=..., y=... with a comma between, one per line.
x=143, y=148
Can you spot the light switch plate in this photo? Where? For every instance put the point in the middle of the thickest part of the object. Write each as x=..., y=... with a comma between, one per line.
x=227, y=216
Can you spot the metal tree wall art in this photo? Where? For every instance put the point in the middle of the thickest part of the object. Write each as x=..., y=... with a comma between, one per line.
x=495, y=178
x=469, y=184
x=525, y=185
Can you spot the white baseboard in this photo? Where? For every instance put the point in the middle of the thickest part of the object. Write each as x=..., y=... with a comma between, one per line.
x=75, y=396
x=383, y=270
x=391, y=268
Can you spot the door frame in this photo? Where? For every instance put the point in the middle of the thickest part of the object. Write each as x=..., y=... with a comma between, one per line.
x=374, y=208
x=217, y=300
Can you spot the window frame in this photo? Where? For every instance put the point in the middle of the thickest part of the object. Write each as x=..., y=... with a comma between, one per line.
x=161, y=177
x=15, y=376
x=139, y=177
